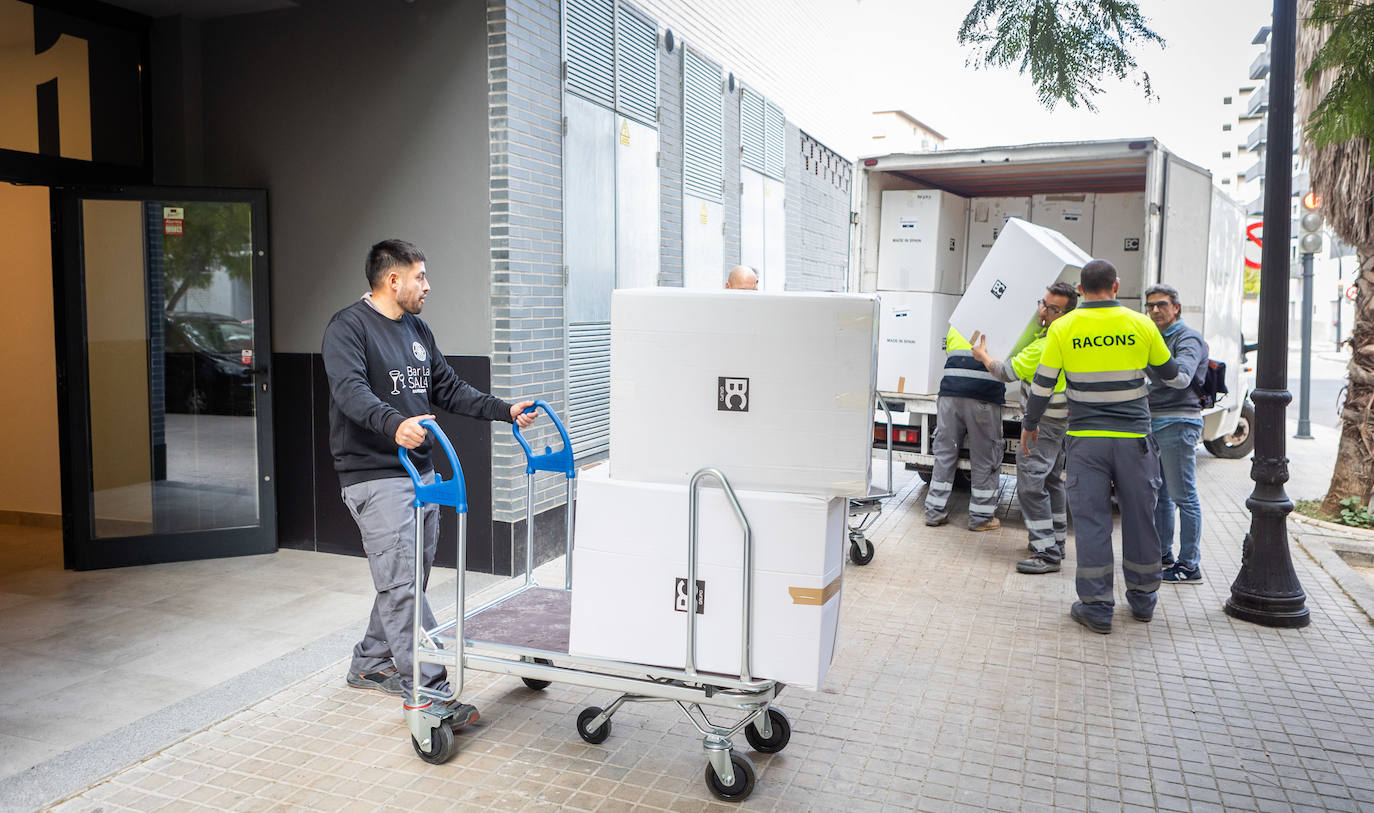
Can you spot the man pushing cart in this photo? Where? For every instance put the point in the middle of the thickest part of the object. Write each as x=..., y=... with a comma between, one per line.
x=386, y=374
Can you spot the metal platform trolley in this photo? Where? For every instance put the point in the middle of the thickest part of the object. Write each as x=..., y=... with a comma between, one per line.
x=525, y=634
x=863, y=511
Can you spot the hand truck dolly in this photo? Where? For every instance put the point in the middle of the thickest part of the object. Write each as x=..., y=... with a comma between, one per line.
x=525, y=634
x=867, y=509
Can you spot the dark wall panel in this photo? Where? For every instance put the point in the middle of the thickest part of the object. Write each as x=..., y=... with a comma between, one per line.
x=292, y=440
x=310, y=514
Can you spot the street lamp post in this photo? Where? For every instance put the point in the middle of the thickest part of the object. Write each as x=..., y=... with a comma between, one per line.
x=1266, y=590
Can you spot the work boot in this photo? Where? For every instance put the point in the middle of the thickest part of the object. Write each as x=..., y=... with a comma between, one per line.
x=386, y=681
x=1037, y=564
x=1079, y=612
x=463, y=715
x=935, y=522
x=457, y=715
x=1060, y=546
x=990, y=524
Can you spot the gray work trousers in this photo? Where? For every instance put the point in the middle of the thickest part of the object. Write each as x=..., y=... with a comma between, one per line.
x=385, y=513
x=1040, y=490
x=981, y=422
x=1093, y=465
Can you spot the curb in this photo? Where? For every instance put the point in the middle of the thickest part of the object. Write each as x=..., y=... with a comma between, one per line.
x=1355, y=534
x=1332, y=553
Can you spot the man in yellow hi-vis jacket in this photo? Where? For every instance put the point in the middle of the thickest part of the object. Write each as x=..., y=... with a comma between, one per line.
x=1103, y=350
x=1040, y=468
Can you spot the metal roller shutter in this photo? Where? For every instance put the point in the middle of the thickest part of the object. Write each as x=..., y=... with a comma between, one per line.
x=589, y=29
x=751, y=118
x=636, y=66
x=589, y=388
x=703, y=163
x=775, y=159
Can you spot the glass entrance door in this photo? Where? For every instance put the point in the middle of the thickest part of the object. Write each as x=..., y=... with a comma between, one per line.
x=166, y=386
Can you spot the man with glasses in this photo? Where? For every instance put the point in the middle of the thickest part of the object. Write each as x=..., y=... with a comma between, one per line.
x=1039, y=468
x=1176, y=425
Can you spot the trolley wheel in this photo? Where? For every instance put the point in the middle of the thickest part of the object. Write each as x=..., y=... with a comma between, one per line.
x=594, y=737
x=860, y=549
x=442, y=746
x=743, y=785
x=538, y=685
x=782, y=733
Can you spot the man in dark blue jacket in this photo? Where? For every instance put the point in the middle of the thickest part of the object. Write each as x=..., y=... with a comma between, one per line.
x=386, y=374
x=1176, y=424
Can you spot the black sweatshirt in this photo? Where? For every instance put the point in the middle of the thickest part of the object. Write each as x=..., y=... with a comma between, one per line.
x=382, y=371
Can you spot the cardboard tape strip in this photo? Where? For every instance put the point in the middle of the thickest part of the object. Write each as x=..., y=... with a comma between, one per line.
x=815, y=596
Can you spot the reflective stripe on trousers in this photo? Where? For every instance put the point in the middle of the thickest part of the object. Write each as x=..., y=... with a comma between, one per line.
x=1040, y=489
x=1093, y=465
x=981, y=423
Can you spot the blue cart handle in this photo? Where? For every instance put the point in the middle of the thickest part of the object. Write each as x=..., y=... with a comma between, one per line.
x=453, y=492
x=559, y=461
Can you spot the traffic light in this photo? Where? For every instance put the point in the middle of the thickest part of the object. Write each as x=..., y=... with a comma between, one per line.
x=1310, y=225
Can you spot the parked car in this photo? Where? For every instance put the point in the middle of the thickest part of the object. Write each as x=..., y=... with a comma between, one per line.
x=208, y=364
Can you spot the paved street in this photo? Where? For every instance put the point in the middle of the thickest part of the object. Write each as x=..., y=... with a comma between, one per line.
x=958, y=685
x=1328, y=381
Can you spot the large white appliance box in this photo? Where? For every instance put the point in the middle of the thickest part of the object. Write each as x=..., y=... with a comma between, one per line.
x=986, y=218
x=1070, y=214
x=775, y=389
x=921, y=241
x=630, y=593
x=911, y=340
x=1000, y=302
x=1119, y=238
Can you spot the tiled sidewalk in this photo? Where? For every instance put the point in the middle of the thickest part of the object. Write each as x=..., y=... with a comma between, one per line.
x=959, y=685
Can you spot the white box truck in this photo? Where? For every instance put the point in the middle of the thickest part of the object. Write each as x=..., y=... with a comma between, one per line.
x=1157, y=217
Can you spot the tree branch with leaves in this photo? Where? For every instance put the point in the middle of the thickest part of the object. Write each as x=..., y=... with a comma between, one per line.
x=1068, y=46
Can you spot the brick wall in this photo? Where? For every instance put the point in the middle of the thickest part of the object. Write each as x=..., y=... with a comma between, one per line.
x=730, y=140
x=670, y=165
x=525, y=113
x=818, y=186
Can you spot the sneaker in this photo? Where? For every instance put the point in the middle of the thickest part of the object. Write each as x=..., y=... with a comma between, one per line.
x=1037, y=565
x=387, y=681
x=1167, y=560
x=1178, y=574
x=1079, y=613
x=986, y=525
x=935, y=522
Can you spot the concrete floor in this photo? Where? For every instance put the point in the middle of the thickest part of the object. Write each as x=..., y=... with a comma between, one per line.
x=958, y=685
x=112, y=648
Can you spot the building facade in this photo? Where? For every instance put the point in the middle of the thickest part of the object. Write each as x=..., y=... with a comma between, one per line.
x=542, y=153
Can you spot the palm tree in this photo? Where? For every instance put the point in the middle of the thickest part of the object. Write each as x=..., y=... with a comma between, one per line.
x=1333, y=41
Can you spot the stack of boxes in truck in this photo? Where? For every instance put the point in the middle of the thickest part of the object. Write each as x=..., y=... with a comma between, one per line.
x=919, y=245
x=921, y=258
x=775, y=391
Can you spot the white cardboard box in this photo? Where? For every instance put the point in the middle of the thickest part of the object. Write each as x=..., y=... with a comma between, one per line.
x=1000, y=302
x=630, y=574
x=1118, y=237
x=1069, y=214
x=986, y=218
x=774, y=389
x=911, y=337
x=921, y=244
